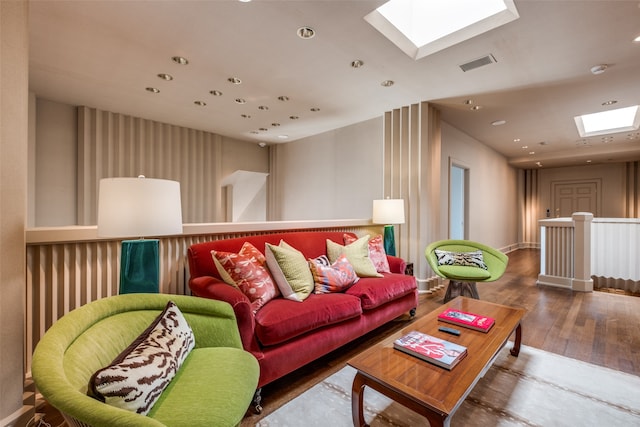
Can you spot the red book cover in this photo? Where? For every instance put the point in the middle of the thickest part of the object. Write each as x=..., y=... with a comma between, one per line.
x=468, y=320
x=434, y=350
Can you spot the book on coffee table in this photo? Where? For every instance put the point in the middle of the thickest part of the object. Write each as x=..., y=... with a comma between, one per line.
x=434, y=350
x=468, y=320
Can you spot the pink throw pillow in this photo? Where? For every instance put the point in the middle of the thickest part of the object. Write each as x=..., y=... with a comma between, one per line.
x=376, y=252
x=246, y=271
x=335, y=277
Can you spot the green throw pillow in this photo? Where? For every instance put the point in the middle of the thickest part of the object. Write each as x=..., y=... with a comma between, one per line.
x=358, y=255
x=290, y=270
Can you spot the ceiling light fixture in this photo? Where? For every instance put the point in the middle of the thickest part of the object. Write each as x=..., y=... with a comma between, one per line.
x=283, y=98
x=516, y=140
x=263, y=107
x=468, y=102
x=475, y=107
x=387, y=83
x=306, y=33
x=599, y=69
x=498, y=122
x=245, y=116
x=165, y=76
x=610, y=102
x=180, y=60
x=240, y=101
x=637, y=39
x=262, y=144
x=294, y=117
x=314, y=109
x=263, y=129
x=200, y=103
x=234, y=80
x=357, y=63
x=283, y=136
x=215, y=92
x=275, y=124
x=152, y=89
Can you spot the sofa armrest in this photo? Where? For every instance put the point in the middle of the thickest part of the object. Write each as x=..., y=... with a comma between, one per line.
x=396, y=264
x=212, y=288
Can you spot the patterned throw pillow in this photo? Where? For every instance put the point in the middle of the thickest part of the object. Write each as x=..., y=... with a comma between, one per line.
x=246, y=270
x=290, y=271
x=137, y=377
x=469, y=259
x=358, y=255
x=376, y=252
x=334, y=277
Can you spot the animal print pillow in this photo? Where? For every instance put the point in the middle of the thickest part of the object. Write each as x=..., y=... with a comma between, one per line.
x=138, y=376
x=469, y=259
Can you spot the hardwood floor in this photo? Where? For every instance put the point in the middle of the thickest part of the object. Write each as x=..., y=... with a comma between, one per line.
x=597, y=327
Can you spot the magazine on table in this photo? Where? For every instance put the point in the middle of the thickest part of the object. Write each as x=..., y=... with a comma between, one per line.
x=468, y=320
x=434, y=350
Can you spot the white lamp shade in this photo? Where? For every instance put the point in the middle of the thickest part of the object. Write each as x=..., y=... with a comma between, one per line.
x=139, y=207
x=388, y=211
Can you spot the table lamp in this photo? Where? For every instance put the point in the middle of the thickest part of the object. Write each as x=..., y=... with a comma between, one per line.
x=388, y=212
x=139, y=207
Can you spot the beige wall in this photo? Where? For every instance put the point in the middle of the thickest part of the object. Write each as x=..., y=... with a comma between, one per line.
x=14, y=116
x=334, y=175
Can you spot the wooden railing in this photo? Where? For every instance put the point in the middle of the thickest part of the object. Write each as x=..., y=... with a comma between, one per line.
x=583, y=252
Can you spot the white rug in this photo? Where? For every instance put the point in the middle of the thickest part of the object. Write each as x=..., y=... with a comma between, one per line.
x=535, y=389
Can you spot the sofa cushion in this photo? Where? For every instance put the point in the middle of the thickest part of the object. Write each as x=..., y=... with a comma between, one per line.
x=139, y=375
x=330, y=277
x=377, y=253
x=358, y=255
x=374, y=292
x=464, y=272
x=246, y=271
x=282, y=319
x=290, y=270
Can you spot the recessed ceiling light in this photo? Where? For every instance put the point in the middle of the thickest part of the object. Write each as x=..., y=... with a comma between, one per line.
x=637, y=39
x=611, y=121
x=245, y=116
x=263, y=129
x=180, y=60
x=200, y=103
x=588, y=161
x=468, y=101
x=532, y=152
x=524, y=147
x=294, y=117
x=498, y=122
x=315, y=109
x=599, y=69
x=610, y=102
x=387, y=83
x=244, y=1
x=475, y=107
x=262, y=144
x=357, y=63
x=283, y=136
x=283, y=98
x=275, y=124
x=165, y=76
x=263, y=107
x=234, y=80
x=215, y=92
x=516, y=140
x=240, y=101
x=306, y=32
x=153, y=89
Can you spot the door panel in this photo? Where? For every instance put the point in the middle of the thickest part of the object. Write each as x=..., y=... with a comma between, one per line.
x=570, y=197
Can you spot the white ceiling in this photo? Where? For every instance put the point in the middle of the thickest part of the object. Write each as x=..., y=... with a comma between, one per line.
x=104, y=54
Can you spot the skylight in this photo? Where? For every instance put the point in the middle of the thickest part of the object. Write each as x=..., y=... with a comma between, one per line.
x=423, y=27
x=612, y=121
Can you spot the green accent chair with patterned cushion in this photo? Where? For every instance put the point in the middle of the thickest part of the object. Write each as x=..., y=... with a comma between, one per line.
x=465, y=262
x=213, y=386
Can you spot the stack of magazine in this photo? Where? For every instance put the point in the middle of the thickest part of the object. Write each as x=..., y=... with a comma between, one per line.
x=468, y=320
x=434, y=350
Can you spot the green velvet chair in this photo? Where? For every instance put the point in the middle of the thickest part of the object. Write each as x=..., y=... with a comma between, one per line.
x=463, y=278
x=214, y=386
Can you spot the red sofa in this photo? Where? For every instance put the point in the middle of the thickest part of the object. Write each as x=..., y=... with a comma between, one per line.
x=285, y=335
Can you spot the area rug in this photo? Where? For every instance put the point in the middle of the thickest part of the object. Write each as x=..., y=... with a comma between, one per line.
x=537, y=388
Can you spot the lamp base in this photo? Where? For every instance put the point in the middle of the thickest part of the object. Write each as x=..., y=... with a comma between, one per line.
x=389, y=240
x=139, y=266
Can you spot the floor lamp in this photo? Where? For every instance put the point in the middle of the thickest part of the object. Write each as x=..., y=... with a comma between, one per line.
x=139, y=207
x=388, y=212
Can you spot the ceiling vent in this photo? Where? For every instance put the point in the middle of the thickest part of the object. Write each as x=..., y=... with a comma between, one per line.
x=477, y=63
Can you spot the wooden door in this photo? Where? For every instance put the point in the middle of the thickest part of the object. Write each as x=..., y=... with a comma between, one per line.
x=575, y=196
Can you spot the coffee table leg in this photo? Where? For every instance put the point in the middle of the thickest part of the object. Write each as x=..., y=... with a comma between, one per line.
x=357, y=401
x=515, y=351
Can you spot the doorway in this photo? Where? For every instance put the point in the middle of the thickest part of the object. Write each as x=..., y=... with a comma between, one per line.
x=458, y=200
x=575, y=196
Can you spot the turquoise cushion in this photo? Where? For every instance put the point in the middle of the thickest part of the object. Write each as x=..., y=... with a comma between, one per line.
x=214, y=386
x=462, y=272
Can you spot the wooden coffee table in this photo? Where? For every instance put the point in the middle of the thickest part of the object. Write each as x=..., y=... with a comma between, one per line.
x=429, y=390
